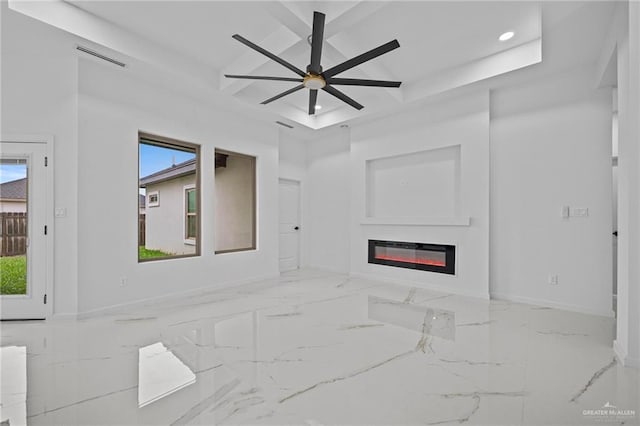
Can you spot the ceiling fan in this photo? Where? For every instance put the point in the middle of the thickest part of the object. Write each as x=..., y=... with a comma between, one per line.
x=315, y=78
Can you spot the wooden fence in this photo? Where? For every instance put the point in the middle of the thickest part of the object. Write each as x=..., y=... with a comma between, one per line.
x=13, y=234
x=142, y=236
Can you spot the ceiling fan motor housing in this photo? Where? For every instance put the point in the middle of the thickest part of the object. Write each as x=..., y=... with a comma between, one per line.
x=314, y=81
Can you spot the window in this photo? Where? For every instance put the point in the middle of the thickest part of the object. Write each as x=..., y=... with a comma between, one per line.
x=169, y=229
x=153, y=199
x=191, y=217
x=235, y=202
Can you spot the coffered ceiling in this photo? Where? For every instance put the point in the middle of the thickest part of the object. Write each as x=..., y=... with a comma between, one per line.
x=444, y=45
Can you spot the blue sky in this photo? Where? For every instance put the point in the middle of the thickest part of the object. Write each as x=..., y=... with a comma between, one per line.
x=9, y=172
x=155, y=158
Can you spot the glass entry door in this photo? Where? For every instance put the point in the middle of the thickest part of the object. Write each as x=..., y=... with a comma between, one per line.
x=23, y=231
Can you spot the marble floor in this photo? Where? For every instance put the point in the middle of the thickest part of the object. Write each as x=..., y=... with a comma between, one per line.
x=315, y=348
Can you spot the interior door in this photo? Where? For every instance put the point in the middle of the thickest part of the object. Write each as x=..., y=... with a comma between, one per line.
x=289, y=225
x=23, y=230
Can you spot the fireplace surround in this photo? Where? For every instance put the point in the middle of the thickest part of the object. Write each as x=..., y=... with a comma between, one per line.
x=439, y=258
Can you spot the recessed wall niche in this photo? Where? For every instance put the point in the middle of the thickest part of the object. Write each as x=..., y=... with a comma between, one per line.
x=422, y=184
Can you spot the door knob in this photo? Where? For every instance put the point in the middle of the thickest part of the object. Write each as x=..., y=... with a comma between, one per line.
x=296, y=228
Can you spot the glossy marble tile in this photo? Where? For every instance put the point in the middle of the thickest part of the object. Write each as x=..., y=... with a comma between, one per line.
x=312, y=348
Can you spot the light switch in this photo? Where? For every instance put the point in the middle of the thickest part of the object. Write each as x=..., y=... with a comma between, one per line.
x=580, y=212
x=565, y=212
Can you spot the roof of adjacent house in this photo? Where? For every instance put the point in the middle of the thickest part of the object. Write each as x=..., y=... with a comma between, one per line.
x=177, y=170
x=14, y=190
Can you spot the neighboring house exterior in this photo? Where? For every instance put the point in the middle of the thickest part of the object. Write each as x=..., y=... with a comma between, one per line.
x=13, y=196
x=170, y=210
x=170, y=213
x=141, y=203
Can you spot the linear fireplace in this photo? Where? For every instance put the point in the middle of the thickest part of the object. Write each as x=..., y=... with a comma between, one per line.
x=426, y=257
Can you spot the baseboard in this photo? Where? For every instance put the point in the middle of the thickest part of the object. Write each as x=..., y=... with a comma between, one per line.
x=620, y=352
x=326, y=268
x=171, y=296
x=64, y=317
x=551, y=304
x=419, y=284
x=622, y=356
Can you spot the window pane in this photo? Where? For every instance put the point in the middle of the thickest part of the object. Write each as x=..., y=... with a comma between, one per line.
x=191, y=226
x=235, y=183
x=191, y=201
x=166, y=168
x=13, y=226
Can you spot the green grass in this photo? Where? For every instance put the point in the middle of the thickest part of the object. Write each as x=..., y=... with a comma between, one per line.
x=145, y=253
x=13, y=275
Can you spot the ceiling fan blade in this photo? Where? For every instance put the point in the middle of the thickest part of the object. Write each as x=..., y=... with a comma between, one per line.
x=313, y=97
x=269, y=55
x=367, y=56
x=316, y=42
x=285, y=93
x=344, y=98
x=361, y=82
x=262, y=77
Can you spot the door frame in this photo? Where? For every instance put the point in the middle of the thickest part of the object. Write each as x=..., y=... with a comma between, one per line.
x=48, y=141
x=301, y=233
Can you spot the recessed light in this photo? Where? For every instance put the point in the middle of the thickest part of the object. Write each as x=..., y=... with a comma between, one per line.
x=506, y=36
x=318, y=106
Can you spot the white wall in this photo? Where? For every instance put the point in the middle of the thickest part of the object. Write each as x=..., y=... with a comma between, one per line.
x=327, y=201
x=113, y=107
x=292, y=156
x=165, y=223
x=627, y=343
x=458, y=130
x=551, y=147
x=39, y=97
x=235, y=188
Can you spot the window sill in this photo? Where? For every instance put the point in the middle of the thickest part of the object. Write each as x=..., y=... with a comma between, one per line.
x=244, y=250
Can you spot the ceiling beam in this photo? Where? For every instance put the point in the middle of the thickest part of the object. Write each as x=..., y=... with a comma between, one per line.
x=279, y=43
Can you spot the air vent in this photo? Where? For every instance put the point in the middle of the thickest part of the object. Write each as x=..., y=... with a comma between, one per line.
x=100, y=56
x=284, y=124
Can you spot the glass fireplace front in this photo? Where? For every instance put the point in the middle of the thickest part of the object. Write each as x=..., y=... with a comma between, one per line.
x=422, y=256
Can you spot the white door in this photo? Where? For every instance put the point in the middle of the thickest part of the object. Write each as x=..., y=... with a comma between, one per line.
x=289, y=225
x=24, y=247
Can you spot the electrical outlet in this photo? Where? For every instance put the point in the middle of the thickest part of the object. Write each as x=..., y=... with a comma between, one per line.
x=565, y=212
x=553, y=280
x=123, y=281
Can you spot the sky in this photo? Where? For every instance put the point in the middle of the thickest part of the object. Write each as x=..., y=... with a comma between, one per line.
x=10, y=172
x=155, y=158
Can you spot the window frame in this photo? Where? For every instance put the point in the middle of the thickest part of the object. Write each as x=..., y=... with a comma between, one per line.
x=153, y=203
x=185, y=218
x=162, y=141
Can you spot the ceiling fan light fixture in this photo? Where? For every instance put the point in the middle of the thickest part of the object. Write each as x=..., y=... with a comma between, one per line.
x=506, y=36
x=314, y=82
